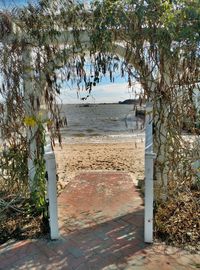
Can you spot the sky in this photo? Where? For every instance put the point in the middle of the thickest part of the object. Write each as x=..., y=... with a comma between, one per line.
x=13, y=3
x=104, y=92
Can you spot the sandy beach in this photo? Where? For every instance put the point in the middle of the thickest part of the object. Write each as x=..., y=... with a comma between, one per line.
x=102, y=153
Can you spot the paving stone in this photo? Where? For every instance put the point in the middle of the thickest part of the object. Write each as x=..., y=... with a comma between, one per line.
x=101, y=220
x=101, y=235
x=76, y=252
x=83, y=266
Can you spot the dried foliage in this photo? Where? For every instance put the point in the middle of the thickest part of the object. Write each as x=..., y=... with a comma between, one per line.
x=44, y=46
x=178, y=220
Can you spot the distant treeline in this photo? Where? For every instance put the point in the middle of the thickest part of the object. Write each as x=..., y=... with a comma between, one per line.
x=130, y=101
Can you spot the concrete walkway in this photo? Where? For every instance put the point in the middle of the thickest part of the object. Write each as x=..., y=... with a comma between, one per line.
x=101, y=223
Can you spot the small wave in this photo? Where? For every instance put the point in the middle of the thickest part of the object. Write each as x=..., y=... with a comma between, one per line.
x=126, y=135
x=114, y=119
x=78, y=135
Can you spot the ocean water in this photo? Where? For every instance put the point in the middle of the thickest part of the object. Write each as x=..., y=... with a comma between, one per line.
x=101, y=120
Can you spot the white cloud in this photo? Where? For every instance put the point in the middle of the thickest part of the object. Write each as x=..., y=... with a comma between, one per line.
x=107, y=93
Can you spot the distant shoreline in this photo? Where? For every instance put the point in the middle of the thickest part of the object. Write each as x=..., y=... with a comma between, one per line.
x=95, y=103
x=124, y=102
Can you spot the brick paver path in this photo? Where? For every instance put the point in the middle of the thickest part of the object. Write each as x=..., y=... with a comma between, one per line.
x=101, y=198
x=101, y=222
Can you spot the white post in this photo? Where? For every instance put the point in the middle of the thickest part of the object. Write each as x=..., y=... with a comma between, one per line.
x=52, y=193
x=28, y=91
x=149, y=157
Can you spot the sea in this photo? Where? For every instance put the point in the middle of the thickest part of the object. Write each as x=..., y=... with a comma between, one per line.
x=96, y=120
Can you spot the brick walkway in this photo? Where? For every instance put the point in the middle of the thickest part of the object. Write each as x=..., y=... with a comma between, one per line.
x=101, y=223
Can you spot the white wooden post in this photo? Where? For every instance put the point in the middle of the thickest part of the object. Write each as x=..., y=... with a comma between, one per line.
x=149, y=157
x=28, y=91
x=52, y=192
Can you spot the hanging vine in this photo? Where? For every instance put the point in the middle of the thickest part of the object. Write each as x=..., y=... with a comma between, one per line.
x=44, y=45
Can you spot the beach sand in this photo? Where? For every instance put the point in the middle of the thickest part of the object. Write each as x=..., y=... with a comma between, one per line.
x=99, y=154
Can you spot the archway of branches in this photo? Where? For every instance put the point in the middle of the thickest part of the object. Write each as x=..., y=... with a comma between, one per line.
x=159, y=51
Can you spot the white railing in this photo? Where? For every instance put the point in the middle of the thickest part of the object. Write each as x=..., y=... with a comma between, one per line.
x=52, y=191
x=149, y=163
